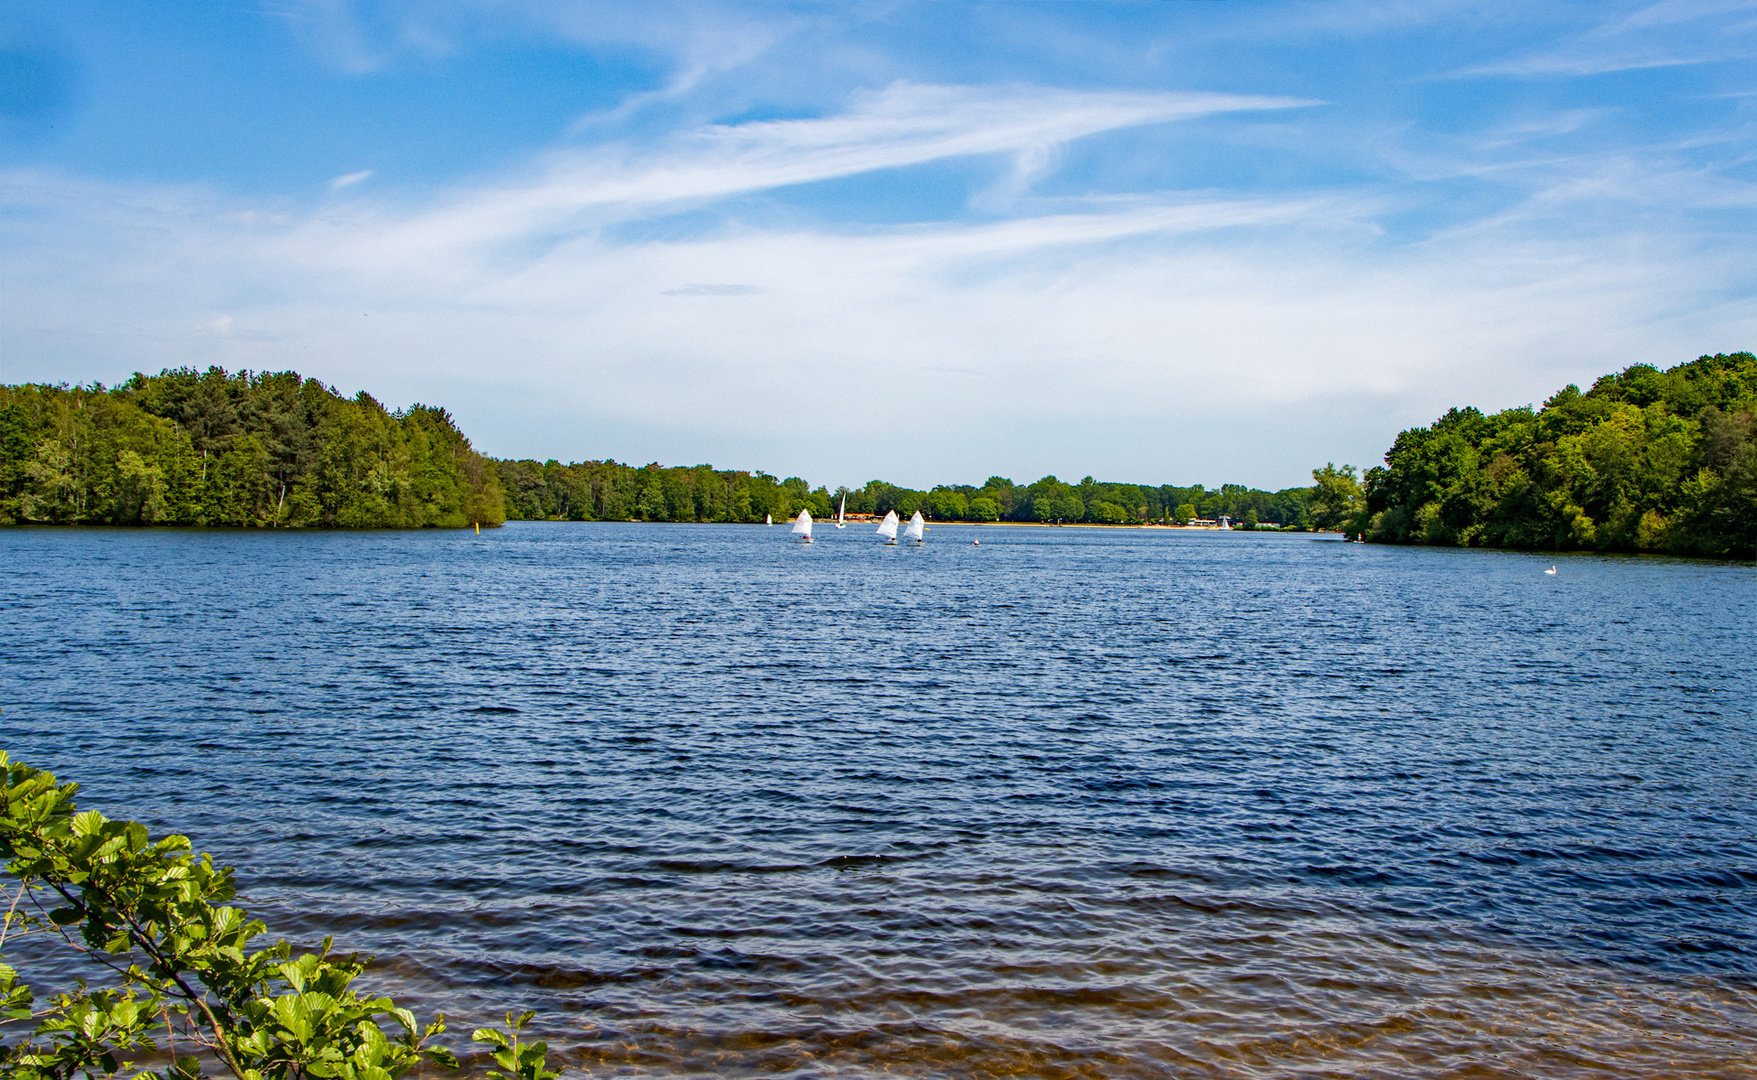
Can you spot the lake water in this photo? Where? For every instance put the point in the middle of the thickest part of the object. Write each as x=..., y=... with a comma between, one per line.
x=1073, y=802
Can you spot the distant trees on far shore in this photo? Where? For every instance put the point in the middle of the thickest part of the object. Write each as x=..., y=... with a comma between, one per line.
x=1645, y=460
x=606, y=490
x=272, y=449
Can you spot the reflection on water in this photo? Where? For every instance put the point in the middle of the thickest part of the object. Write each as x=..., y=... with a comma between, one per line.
x=1074, y=802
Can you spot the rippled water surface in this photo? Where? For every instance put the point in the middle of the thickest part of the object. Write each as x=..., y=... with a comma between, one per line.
x=1073, y=802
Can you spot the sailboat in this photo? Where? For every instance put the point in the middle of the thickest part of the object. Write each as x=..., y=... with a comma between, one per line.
x=802, y=527
x=840, y=512
x=768, y=519
x=888, y=527
x=917, y=525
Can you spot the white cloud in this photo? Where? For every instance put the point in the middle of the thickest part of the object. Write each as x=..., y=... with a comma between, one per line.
x=349, y=179
x=333, y=28
x=713, y=290
x=1672, y=33
x=1676, y=12
x=692, y=40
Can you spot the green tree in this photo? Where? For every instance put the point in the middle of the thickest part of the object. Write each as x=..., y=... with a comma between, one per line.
x=52, y=491
x=141, y=490
x=1643, y=460
x=1337, y=499
x=157, y=916
x=212, y=448
x=652, y=505
x=950, y=504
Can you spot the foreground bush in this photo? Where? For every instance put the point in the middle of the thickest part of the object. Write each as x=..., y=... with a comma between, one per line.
x=186, y=967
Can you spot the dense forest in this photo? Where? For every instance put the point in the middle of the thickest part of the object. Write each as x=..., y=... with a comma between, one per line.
x=210, y=448
x=268, y=449
x=605, y=490
x=1646, y=460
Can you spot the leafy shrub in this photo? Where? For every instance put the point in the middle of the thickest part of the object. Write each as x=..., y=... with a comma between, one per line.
x=154, y=914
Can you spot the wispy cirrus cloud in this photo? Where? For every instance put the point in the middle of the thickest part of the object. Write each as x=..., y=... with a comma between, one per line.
x=902, y=125
x=690, y=39
x=1672, y=33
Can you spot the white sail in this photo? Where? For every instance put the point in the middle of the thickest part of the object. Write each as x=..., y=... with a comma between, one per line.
x=802, y=526
x=888, y=527
x=916, y=527
x=840, y=513
x=768, y=519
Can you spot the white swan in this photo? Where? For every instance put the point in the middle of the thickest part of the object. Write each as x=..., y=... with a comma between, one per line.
x=1551, y=570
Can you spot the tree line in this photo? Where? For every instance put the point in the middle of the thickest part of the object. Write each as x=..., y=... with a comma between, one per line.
x=608, y=491
x=270, y=449
x=1646, y=460
x=187, y=447
x=273, y=449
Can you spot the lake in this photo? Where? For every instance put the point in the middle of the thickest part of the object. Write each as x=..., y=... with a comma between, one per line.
x=1070, y=802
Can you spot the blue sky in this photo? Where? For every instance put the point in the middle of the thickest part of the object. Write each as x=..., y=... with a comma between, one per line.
x=1177, y=241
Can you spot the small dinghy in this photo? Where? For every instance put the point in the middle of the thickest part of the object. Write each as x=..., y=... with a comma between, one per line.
x=802, y=526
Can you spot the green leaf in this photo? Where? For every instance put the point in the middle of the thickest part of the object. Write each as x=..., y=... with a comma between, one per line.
x=442, y=1056
x=135, y=893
